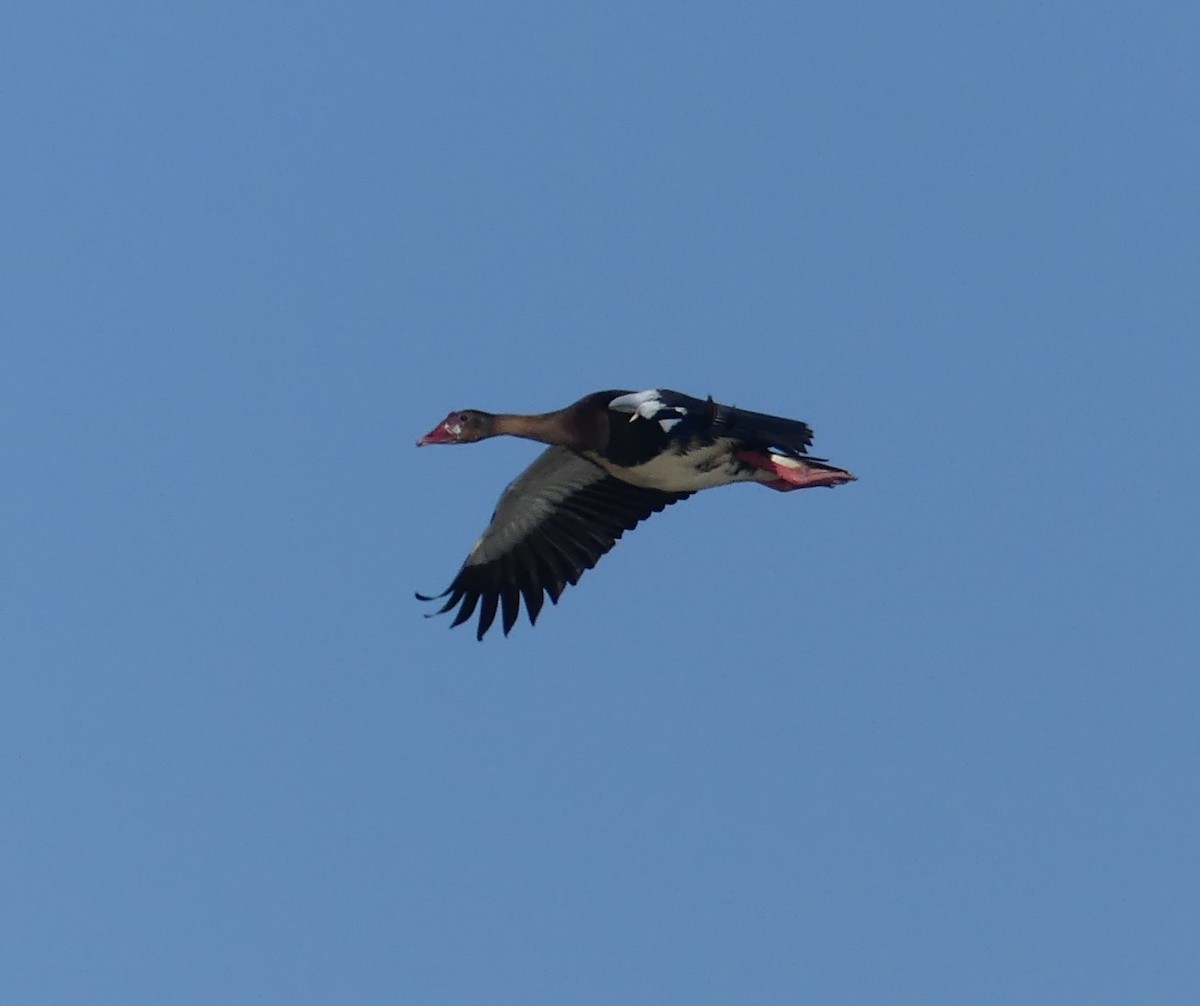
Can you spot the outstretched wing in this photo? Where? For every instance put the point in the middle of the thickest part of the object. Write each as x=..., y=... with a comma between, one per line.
x=551, y=525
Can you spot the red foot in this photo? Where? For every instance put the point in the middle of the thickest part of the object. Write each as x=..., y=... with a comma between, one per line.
x=794, y=473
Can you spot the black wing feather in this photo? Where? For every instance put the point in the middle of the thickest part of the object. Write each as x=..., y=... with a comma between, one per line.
x=487, y=613
x=755, y=429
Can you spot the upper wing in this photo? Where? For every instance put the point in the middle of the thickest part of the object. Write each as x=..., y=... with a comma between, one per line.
x=553, y=523
x=685, y=419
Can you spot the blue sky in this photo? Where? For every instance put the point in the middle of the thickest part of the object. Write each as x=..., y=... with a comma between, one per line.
x=928, y=738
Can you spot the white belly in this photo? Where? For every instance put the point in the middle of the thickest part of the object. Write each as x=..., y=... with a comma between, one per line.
x=700, y=468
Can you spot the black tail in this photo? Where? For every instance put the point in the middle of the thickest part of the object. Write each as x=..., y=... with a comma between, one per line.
x=789, y=436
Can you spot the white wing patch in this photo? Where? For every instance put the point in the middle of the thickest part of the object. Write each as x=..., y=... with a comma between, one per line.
x=636, y=402
x=647, y=405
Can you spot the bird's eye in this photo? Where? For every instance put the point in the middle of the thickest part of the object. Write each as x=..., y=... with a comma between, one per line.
x=464, y=418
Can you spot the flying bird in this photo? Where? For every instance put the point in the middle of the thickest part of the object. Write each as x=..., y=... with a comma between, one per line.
x=615, y=458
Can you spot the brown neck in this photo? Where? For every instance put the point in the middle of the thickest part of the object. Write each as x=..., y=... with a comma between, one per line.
x=564, y=428
x=542, y=428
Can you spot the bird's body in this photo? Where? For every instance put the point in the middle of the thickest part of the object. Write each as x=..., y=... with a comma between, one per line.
x=615, y=457
x=692, y=468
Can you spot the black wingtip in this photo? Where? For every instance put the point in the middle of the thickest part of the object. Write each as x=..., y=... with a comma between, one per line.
x=455, y=597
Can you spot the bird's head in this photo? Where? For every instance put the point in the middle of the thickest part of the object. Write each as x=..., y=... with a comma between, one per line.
x=463, y=427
